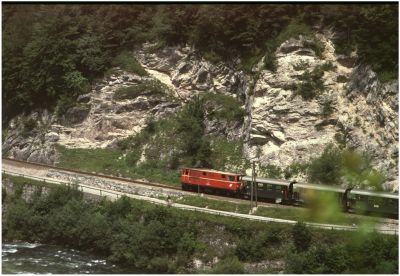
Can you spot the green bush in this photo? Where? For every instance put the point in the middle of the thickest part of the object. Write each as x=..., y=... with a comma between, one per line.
x=294, y=169
x=250, y=249
x=326, y=169
x=270, y=171
x=311, y=84
x=316, y=45
x=301, y=237
x=229, y=265
x=301, y=65
x=328, y=66
x=270, y=58
x=127, y=62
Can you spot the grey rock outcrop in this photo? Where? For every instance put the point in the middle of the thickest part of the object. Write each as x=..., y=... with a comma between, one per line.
x=35, y=145
x=189, y=73
x=284, y=128
x=98, y=120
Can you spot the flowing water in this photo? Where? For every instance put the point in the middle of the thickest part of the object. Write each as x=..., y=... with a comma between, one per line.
x=48, y=259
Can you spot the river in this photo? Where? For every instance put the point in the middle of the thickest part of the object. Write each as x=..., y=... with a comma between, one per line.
x=31, y=258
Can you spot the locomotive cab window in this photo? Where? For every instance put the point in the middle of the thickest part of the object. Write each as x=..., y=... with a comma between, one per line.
x=204, y=173
x=223, y=176
x=231, y=178
x=186, y=172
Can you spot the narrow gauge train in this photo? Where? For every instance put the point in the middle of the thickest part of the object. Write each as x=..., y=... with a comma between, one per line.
x=287, y=192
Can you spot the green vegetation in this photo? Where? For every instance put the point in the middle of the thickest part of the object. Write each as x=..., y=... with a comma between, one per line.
x=52, y=53
x=223, y=107
x=229, y=266
x=327, y=168
x=294, y=169
x=270, y=171
x=328, y=66
x=126, y=61
x=368, y=30
x=315, y=45
x=327, y=108
x=301, y=237
x=152, y=87
x=335, y=165
x=311, y=84
x=28, y=126
x=301, y=65
x=159, y=239
x=295, y=28
x=346, y=258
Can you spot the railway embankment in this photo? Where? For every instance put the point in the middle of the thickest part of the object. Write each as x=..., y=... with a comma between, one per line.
x=181, y=241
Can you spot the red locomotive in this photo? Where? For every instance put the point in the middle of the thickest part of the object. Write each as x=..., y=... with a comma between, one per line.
x=206, y=179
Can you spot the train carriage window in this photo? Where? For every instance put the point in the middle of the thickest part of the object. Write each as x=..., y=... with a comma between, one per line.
x=270, y=187
x=260, y=185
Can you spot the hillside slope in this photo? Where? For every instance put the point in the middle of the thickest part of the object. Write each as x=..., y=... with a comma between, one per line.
x=312, y=98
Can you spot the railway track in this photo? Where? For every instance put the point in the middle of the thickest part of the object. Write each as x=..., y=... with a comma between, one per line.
x=128, y=181
x=39, y=166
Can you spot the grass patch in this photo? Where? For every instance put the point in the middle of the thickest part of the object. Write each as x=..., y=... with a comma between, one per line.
x=112, y=162
x=152, y=87
x=126, y=61
x=295, y=28
x=202, y=202
x=107, y=161
x=289, y=213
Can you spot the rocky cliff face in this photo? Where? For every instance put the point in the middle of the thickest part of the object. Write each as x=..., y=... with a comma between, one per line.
x=280, y=127
x=285, y=128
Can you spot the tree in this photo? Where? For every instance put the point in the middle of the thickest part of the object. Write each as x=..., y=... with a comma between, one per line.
x=327, y=168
